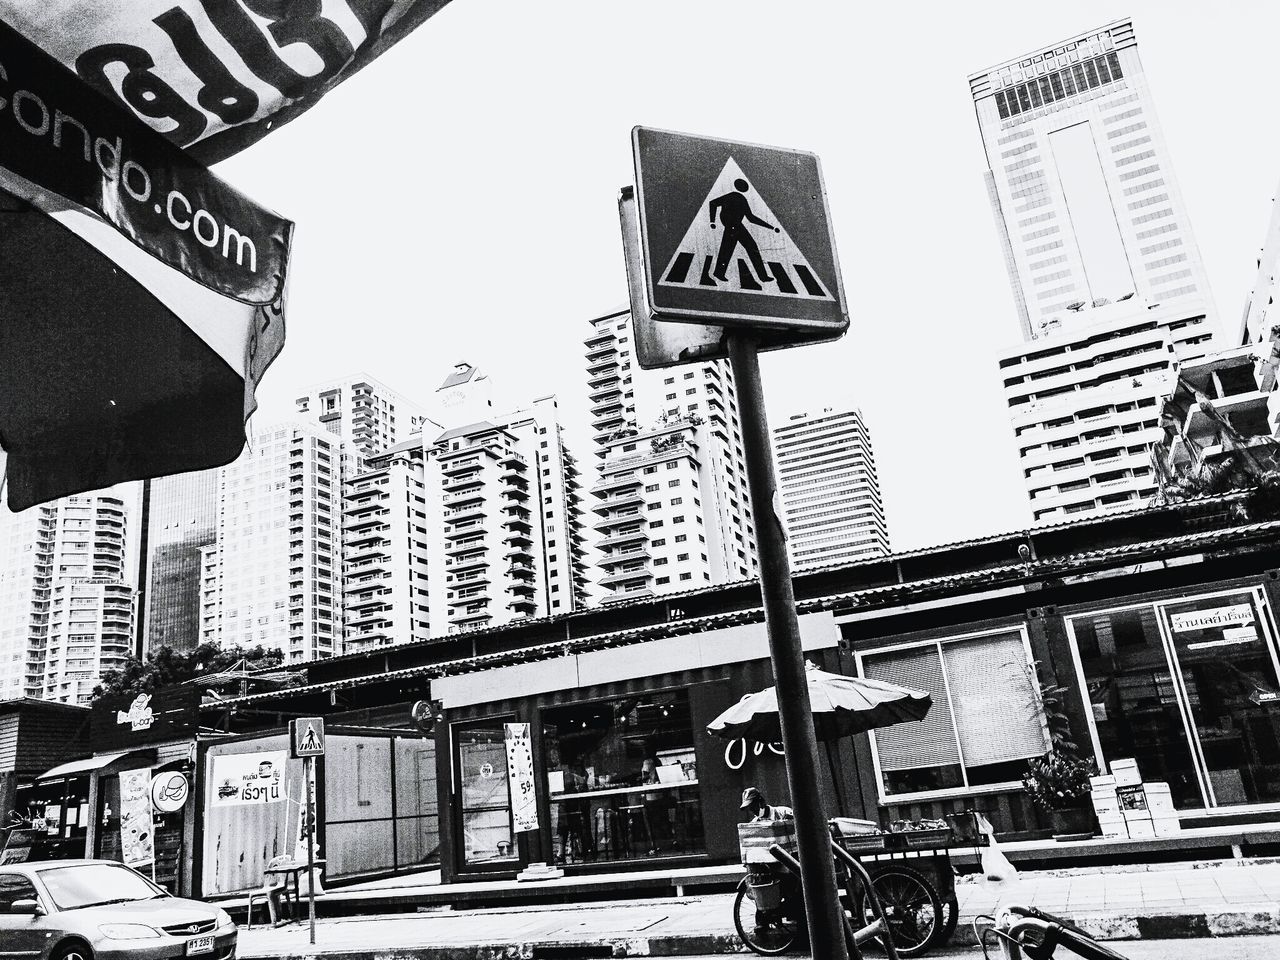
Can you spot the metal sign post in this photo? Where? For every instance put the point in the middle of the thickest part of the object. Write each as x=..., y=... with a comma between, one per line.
x=306, y=741
x=311, y=844
x=738, y=236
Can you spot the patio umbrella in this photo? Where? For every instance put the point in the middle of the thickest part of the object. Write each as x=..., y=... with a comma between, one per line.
x=842, y=706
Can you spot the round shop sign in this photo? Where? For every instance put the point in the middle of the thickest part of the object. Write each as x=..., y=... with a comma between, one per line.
x=169, y=791
x=486, y=770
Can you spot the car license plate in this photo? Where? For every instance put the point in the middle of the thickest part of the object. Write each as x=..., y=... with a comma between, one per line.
x=198, y=945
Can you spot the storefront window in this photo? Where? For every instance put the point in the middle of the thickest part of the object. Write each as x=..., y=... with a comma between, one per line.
x=623, y=779
x=985, y=723
x=1133, y=699
x=59, y=811
x=1190, y=689
x=486, y=793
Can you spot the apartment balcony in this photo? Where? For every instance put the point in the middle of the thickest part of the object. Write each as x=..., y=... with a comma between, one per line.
x=472, y=510
x=453, y=549
x=518, y=526
x=600, y=336
x=609, y=386
x=522, y=570
x=621, y=518
x=618, y=482
x=516, y=493
x=519, y=552
x=518, y=538
x=452, y=463
x=1247, y=412
x=522, y=588
x=465, y=564
x=607, y=424
x=360, y=504
x=618, y=502
x=525, y=606
x=374, y=600
x=373, y=550
x=465, y=481
x=515, y=509
x=471, y=621
x=631, y=576
x=469, y=600
x=369, y=533
x=460, y=580
x=371, y=618
x=365, y=522
x=465, y=528
x=602, y=351
x=602, y=372
x=607, y=408
x=616, y=559
x=452, y=500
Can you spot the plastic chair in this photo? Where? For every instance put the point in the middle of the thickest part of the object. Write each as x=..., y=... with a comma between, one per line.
x=273, y=885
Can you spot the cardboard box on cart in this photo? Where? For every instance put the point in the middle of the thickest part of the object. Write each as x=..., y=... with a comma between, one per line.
x=755, y=839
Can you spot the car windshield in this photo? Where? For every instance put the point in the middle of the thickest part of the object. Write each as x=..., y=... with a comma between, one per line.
x=93, y=884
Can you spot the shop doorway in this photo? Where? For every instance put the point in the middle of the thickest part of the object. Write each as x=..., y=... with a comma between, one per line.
x=485, y=831
x=1191, y=689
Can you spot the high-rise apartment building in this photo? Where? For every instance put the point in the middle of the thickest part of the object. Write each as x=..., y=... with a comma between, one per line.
x=273, y=574
x=1261, y=317
x=829, y=487
x=181, y=519
x=66, y=597
x=474, y=523
x=1107, y=279
x=684, y=422
x=367, y=415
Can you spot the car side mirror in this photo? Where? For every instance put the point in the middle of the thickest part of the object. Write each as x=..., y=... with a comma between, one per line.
x=26, y=908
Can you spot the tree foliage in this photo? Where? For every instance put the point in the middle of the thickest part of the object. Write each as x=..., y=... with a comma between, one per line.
x=165, y=667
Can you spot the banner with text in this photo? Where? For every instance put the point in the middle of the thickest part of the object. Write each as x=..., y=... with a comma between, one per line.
x=524, y=798
x=248, y=779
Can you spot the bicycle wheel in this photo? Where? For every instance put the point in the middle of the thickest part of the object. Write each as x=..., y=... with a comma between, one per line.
x=951, y=916
x=766, y=932
x=911, y=906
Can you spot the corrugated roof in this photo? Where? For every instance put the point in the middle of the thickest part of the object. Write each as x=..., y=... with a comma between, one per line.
x=1013, y=573
x=480, y=426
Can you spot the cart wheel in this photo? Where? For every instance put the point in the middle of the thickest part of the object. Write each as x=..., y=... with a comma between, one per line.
x=951, y=916
x=911, y=906
x=767, y=933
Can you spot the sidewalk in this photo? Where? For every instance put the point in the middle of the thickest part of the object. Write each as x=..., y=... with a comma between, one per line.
x=1223, y=900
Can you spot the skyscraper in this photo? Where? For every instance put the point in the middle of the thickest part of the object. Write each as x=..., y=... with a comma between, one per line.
x=182, y=517
x=691, y=526
x=829, y=487
x=368, y=416
x=66, y=596
x=272, y=574
x=1107, y=280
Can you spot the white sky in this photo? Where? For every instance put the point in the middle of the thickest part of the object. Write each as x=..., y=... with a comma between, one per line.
x=456, y=200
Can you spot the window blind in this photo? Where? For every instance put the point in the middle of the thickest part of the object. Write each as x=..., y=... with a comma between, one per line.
x=996, y=704
x=930, y=742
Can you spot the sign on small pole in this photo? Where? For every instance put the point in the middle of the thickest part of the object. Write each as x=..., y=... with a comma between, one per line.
x=738, y=236
x=306, y=742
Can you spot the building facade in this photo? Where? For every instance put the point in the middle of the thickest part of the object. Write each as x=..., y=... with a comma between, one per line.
x=691, y=413
x=1098, y=246
x=66, y=597
x=181, y=518
x=831, y=502
x=367, y=415
x=273, y=574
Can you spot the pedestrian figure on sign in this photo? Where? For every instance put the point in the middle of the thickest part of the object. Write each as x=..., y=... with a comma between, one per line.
x=734, y=209
x=309, y=742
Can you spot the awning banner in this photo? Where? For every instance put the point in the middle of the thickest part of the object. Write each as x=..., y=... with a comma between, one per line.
x=214, y=76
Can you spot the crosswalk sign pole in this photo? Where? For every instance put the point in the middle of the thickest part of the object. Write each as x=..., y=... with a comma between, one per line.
x=310, y=774
x=824, y=913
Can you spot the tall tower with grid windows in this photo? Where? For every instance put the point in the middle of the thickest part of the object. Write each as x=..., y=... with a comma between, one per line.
x=1108, y=284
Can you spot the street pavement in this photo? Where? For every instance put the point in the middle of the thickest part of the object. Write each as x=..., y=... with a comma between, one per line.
x=1232, y=948
x=1221, y=901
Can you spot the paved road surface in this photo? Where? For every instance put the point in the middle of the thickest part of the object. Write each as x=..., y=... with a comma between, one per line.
x=1222, y=948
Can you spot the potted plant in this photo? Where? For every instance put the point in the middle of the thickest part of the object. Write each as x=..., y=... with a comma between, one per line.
x=1058, y=782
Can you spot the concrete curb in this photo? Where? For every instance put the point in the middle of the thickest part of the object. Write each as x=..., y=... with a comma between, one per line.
x=1261, y=919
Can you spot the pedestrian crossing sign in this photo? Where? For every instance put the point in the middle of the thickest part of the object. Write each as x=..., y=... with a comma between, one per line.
x=306, y=737
x=736, y=234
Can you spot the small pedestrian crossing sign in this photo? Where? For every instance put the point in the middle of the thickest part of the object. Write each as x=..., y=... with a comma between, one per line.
x=306, y=737
x=736, y=234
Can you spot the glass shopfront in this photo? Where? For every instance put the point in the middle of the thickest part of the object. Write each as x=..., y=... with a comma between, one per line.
x=1191, y=689
x=485, y=793
x=57, y=811
x=623, y=779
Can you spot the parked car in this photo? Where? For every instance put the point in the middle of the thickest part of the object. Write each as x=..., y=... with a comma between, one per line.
x=103, y=910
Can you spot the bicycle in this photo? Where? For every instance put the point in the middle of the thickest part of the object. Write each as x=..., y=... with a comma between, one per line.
x=1026, y=930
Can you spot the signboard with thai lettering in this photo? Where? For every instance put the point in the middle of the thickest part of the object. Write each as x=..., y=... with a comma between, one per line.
x=524, y=796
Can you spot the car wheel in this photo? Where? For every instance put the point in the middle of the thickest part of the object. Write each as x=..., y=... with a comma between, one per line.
x=72, y=950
